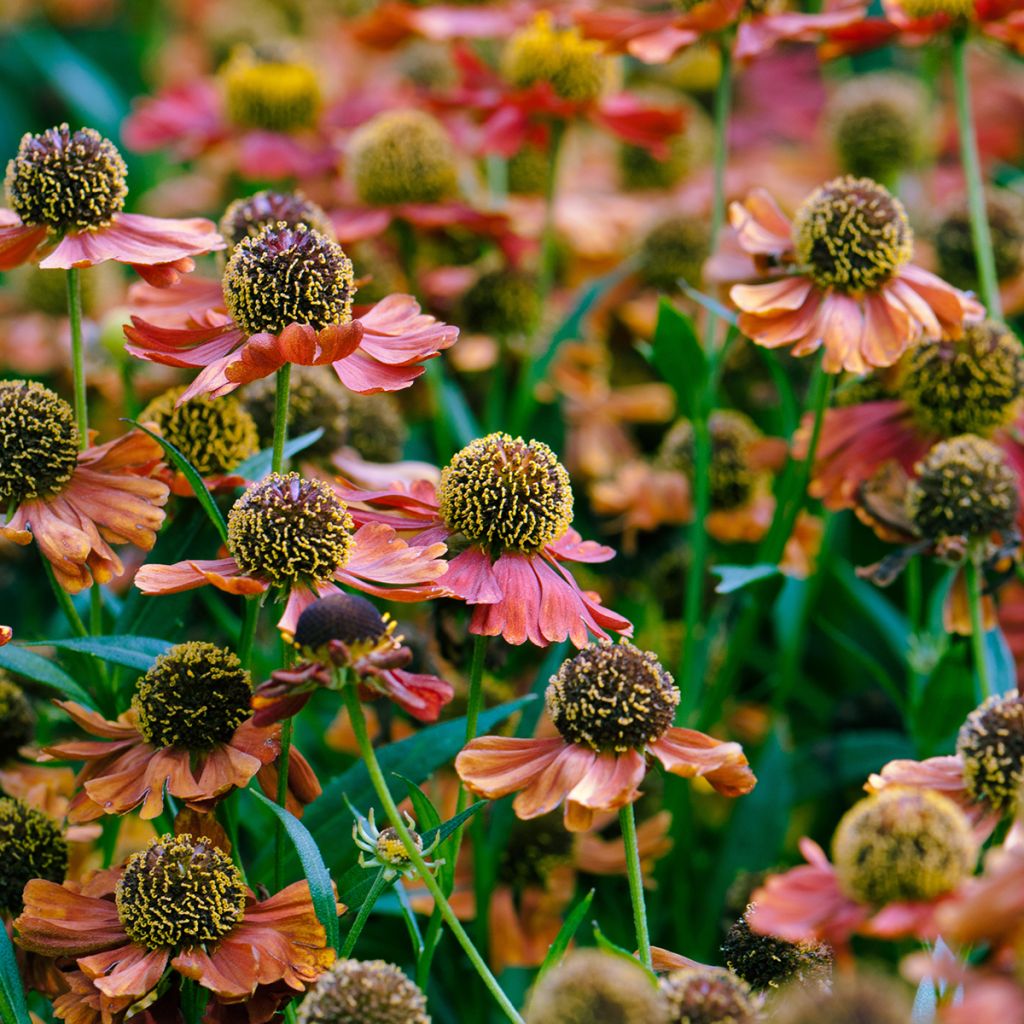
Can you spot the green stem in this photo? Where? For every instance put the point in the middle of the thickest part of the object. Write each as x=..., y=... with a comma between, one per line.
x=64, y=600
x=627, y=821
x=95, y=610
x=972, y=577
x=380, y=883
x=722, y=105
x=282, y=799
x=250, y=622
x=355, y=712
x=409, y=916
x=475, y=699
x=980, y=233
x=78, y=356
x=284, y=378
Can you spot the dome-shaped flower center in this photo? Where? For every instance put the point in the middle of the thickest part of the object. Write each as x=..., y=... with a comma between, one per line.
x=69, y=181
x=269, y=92
x=612, y=697
x=364, y=992
x=574, y=67
x=768, y=962
x=43, y=291
x=855, y=998
x=286, y=529
x=195, y=696
x=708, y=995
x=902, y=845
x=960, y=9
x=402, y=156
x=180, y=891
x=391, y=850
x=248, y=216
x=732, y=477
x=954, y=245
x=970, y=385
x=340, y=616
x=17, y=720
x=214, y=434
x=38, y=442
x=506, y=494
x=675, y=250
x=964, y=488
x=532, y=849
x=31, y=846
x=851, y=234
x=991, y=746
x=288, y=276
x=502, y=302
x=376, y=427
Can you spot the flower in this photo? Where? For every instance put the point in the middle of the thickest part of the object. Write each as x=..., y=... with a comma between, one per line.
x=767, y=962
x=852, y=998
x=31, y=846
x=343, y=633
x=288, y=299
x=387, y=850
x=896, y=854
x=364, y=992
x=613, y=705
x=841, y=278
x=708, y=994
x=297, y=535
x=179, y=904
x=74, y=503
x=512, y=502
x=189, y=729
x=66, y=193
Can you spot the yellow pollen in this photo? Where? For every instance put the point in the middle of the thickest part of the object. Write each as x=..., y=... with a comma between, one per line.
x=959, y=9
x=248, y=216
x=391, y=849
x=991, y=746
x=31, y=846
x=271, y=94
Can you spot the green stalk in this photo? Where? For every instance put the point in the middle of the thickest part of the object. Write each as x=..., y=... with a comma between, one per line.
x=250, y=622
x=282, y=800
x=284, y=378
x=980, y=233
x=64, y=600
x=380, y=883
x=355, y=711
x=78, y=356
x=627, y=821
x=972, y=577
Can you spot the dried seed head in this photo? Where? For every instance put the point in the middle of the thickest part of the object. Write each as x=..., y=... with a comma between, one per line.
x=708, y=995
x=991, y=746
x=853, y=999
x=764, y=961
x=364, y=992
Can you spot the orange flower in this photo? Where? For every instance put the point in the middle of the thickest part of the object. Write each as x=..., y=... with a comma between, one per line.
x=198, y=752
x=75, y=504
x=599, y=760
x=839, y=277
x=180, y=904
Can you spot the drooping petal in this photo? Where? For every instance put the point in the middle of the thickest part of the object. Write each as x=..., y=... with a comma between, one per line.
x=129, y=970
x=692, y=754
x=611, y=782
x=494, y=766
x=58, y=921
x=551, y=786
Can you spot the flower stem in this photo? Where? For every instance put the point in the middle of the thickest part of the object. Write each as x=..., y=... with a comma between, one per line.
x=380, y=883
x=475, y=699
x=282, y=800
x=972, y=577
x=250, y=622
x=64, y=600
x=284, y=380
x=78, y=355
x=355, y=712
x=722, y=107
x=627, y=821
x=980, y=233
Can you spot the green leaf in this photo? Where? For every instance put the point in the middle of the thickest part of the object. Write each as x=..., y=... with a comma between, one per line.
x=565, y=934
x=35, y=667
x=833, y=762
x=425, y=813
x=736, y=577
x=138, y=652
x=461, y=420
x=313, y=866
x=711, y=305
x=15, y=1008
x=194, y=478
x=1001, y=667
x=606, y=944
x=890, y=623
x=257, y=466
x=945, y=699
x=678, y=356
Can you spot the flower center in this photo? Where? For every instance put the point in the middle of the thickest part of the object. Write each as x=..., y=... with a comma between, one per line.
x=928, y=8
x=968, y=386
x=991, y=746
x=195, y=696
x=674, y=249
x=708, y=995
x=533, y=848
x=69, y=181
x=612, y=697
x=507, y=494
x=391, y=850
x=376, y=428
x=214, y=434
x=852, y=235
x=864, y=997
x=31, y=846
x=502, y=303
x=247, y=217
x=402, y=156
x=364, y=992
x=179, y=892
x=38, y=442
x=286, y=529
x=767, y=962
x=954, y=246
x=574, y=67
x=732, y=477
x=964, y=488
x=44, y=291
x=17, y=720
x=902, y=845
x=288, y=276
x=267, y=92
x=340, y=616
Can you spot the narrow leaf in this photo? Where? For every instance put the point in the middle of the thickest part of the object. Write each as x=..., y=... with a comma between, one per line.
x=678, y=356
x=603, y=942
x=736, y=577
x=565, y=934
x=425, y=812
x=313, y=866
x=138, y=652
x=41, y=670
x=257, y=466
x=10, y=982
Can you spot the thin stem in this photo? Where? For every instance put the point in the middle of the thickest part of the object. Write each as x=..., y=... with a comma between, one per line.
x=78, y=355
x=980, y=233
x=250, y=622
x=972, y=577
x=284, y=378
x=380, y=883
x=412, y=926
x=722, y=105
x=355, y=713
x=95, y=610
x=475, y=699
x=282, y=800
x=64, y=600
x=636, y=883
